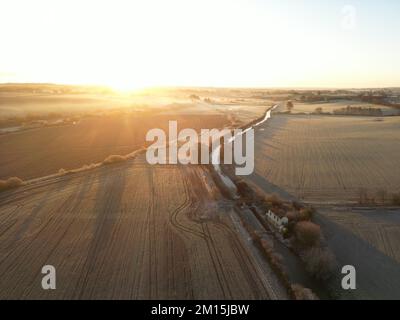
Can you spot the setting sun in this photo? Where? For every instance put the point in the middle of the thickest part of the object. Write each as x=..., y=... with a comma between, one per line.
x=136, y=44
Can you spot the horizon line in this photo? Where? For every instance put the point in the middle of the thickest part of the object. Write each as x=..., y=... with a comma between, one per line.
x=204, y=87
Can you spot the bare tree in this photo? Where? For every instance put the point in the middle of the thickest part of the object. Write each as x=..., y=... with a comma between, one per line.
x=318, y=110
x=382, y=194
x=289, y=106
x=396, y=199
x=307, y=234
x=320, y=262
x=362, y=196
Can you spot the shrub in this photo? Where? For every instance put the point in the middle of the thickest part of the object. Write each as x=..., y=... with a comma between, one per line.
x=62, y=171
x=244, y=190
x=301, y=293
x=259, y=197
x=254, y=235
x=396, y=199
x=276, y=258
x=318, y=110
x=274, y=200
x=194, y=97
x=85, y=167
x=114, y=159
x=307, y=234
x=362, y=196
x=296, y=205
x=306, y=213
x=319, y=262
x=10, y=183
x=292, y=216
x=289, y=106
x=381, y=195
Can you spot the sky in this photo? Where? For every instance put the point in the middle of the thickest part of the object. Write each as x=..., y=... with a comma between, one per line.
x=213, y=43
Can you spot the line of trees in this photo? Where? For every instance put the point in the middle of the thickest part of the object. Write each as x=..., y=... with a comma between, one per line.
x=366, y=111
x=381, y=196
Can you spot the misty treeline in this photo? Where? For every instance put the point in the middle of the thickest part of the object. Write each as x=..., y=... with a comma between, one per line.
x=362, y=111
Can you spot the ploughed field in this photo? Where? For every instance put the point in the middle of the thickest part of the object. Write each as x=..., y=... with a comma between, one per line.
x=130, y=231
x=44, y=151
x=327, y=159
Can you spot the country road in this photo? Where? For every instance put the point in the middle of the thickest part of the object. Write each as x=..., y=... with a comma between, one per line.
x=128, y=231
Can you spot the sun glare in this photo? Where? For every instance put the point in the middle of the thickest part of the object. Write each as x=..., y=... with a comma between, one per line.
x=137, y=44
x=125, y=86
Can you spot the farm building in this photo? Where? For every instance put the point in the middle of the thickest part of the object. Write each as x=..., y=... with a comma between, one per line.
x=276, y=221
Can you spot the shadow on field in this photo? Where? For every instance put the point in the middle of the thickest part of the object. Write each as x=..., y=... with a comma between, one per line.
x=107, y=208
x=269, y=187
x=377, y=275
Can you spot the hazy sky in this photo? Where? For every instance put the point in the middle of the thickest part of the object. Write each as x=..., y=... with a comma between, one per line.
x=133, y=44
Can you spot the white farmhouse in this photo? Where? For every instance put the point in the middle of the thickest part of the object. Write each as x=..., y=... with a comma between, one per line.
x=276, y=221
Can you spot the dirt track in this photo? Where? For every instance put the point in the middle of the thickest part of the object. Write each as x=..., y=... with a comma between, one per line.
x=128, y=231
